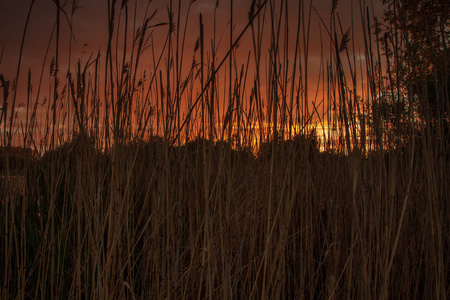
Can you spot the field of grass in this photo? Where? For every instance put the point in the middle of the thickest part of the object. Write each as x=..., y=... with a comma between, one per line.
x=211, y=179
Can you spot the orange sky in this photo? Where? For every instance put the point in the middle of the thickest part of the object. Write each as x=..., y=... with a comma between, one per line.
x=90, y=32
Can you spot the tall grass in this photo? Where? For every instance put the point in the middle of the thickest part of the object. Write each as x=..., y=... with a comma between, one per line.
x=207, y=178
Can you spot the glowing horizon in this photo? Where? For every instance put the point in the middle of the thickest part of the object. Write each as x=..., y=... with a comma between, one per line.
x=178, y=83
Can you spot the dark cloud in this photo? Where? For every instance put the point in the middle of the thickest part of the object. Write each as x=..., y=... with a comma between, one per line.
x=90, y=28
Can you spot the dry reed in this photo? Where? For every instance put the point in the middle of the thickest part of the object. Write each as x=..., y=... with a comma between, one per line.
x=154, y=188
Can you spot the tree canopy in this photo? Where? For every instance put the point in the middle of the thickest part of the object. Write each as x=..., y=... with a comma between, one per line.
x=416, y=40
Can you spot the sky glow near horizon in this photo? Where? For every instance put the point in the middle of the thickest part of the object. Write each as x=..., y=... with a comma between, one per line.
x=90, y=36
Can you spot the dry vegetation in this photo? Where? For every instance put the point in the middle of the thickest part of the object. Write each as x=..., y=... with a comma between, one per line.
x=148, y=191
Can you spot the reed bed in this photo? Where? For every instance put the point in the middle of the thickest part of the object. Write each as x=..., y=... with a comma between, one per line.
x=200, y=177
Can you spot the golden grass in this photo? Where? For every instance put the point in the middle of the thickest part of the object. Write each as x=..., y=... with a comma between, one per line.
x=138, y=201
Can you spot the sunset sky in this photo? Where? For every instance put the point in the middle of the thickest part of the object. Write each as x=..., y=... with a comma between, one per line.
x=90, y=25
x=90, y=32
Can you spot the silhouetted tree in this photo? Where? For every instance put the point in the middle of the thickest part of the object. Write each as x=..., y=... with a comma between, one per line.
x=416, y=41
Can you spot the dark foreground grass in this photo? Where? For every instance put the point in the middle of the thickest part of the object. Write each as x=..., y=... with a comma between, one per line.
x=204, y=220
